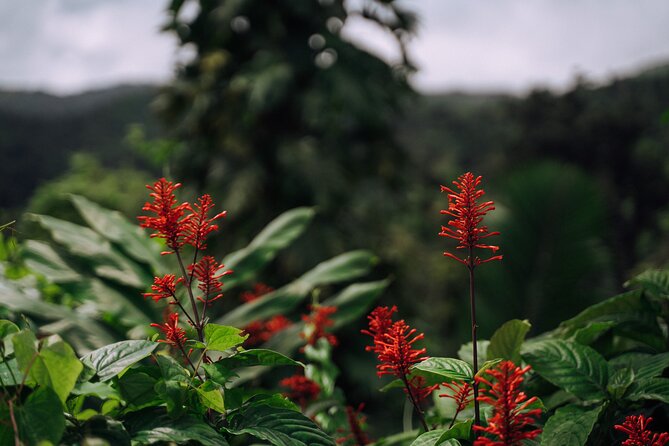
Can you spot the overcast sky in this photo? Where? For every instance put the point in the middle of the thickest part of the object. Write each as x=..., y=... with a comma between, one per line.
x=67, y=46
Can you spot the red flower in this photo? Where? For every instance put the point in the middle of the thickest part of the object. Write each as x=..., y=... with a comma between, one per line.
x=511, y=416
x=164, y=287
x=169, y=222
x=199, y=226
x=255, y=330
x=420, y=389
x=259, y=290
x=635, y=427
x=380, y=321
x=206, y=272
x=356, y=435
x=260, y=332
x=467, y=216
x=395, y=351
x=301, y=389
x=461, y=393
x=174, y=335
x=318, y=322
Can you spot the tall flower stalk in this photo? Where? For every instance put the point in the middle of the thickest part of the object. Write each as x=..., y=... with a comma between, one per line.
x=466, y=227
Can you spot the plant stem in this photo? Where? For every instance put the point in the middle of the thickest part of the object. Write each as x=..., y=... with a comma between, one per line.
x=472, y=301
x=15, y=427
x=198, y=323
x=183, y=352
x=421, y=416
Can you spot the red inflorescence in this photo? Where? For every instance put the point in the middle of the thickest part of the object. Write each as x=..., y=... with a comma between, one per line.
x=170, y=219
x=260, y=332
x=259, y=290
x=164, y=287
x=318, y=322
x=301, y=389
x=206, y=271
x=635, y=426
x=461, y=393
x=511, y=414
x=467, y=216
x=395, y=351
x=380, y=321
x=174, y=335
x=199, y=225
x=355, y=436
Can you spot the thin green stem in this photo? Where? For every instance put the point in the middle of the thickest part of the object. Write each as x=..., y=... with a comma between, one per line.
x=198, y=322
x=414, y=401
x=472, y=301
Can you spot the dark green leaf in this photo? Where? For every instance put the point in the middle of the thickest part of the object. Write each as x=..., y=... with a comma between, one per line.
x=570, y=426
x=7, y=328
x=256, y=357
x=591, y=332
x=650, y=389
x=211, y=396
x=656, y=282
x=438, y=370
x=652, y=366
x=137, y=389
x=573, y=367
x=41, y=417
x=179, y=431
x=619, y=381
x=505, y=343
x=112, y=359
x=43, y=259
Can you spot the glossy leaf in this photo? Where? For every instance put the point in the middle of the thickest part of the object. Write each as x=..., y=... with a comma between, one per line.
x=655, y=282
x=211, y=396
x=180, y=431
x=570, y=426
x=41, y=418
x=254, y=357
x=438, y=370
x=573, y=367
x=222, y=337
x=650, y=389
x=112, y=359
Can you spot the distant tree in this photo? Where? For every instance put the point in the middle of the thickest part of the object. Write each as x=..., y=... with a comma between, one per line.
x=278, y=109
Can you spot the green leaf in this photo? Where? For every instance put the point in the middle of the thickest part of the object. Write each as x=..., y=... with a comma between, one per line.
x=650, y=389
x=137, y=389
x=438, y=370
x=222, y=337
x=570, y=426
x=10, y=375
x=652, y=366
x=112, y=359
x=25, y=349
x=211, y=396
x=43, y=259
x=656, y=282
x=277, y=235
x=394, y=384
x=179, y=431
x=573, y=367
x=280, y=427
x=619, y=381
x=101, y=390
x=591, y=332
x=430, y=438
x=461, y=430
x=505, y=343
x=491, y=363
x=41, y=418
x=7, y=328
x=58, y=367
x=354, y=301
x=466, y=352
x=254, y=357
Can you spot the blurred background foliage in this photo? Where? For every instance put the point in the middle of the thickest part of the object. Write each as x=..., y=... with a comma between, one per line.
x=275, y=110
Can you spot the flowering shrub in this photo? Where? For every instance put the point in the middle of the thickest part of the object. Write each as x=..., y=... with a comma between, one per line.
x=192, y=373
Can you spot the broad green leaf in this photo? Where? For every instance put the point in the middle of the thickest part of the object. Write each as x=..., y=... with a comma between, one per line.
x=656, y=282
x=438, y=370
x=7, y=328
x=619, y=381
x=505, y=343
x=573, y=367
x=254, y=357
x=461, y=430
x=137, y=389
x=570, y=426
x=25, y=349
x=394, y=384
x=652, y=366
x=278, y=426
x=211, y=396
x=354, y=301
x=101, y=390
x=591, y=332
x=58, y=367
x=171, y=369
x=10, y=374
x=180, y=431
x=112, y=359
x=222, y=337
x=113, y=226
x=650, y=389
x=41, y=418
x=347, y=266
x=430, y=438
x=466, y=352
x=43, y=259
x=279, y=234
x=491, y=363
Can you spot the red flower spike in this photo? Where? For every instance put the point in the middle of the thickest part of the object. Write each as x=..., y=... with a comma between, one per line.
x=467, y=215
x=164, y=287
x=380, y=321
x=511, y=417
x=199, y=226
x=169, y=221
x=301, y=389
x=635, y=426
x=395, y=351
x=356, y=436
x=206, y=272
x=259, y=290
x=420, y=389
x=461, y=393
x=319, y=321
x=255, y=330
x=260, y=332
x=174, y=335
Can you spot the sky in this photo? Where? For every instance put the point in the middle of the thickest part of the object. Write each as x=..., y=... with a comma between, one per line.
x=67, y=46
